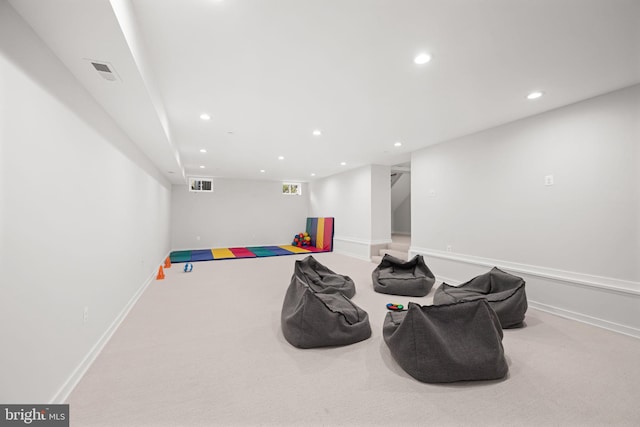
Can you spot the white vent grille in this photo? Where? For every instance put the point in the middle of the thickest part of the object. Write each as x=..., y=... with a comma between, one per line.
x=105, y=70
x=200, y=185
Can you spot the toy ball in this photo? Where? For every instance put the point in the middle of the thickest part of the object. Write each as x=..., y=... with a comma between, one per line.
x=306, y=234
x=188, y=267
x=300, y=235
x=307, y=238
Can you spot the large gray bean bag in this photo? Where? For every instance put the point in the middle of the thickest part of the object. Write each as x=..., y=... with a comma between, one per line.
x=447, y=343
x=505, y=293
x=397, y=277
x=313, y=317
x=325, y=281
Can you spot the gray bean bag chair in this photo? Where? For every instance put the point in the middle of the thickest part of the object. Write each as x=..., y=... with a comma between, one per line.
x=325, y=281
x=397, y=277
x=447, y=343
x=505, y=293
x=313, y=316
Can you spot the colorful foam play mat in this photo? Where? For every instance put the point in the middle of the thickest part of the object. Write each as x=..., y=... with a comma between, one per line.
x=318, y=237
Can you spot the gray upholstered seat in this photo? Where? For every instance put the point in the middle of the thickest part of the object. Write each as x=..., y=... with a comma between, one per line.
x=325, y=281
x=505, y=293
x=447, y=343
x=397, y=277
x=317, y=316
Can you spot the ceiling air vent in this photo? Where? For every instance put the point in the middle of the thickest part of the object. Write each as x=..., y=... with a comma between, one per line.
x=105, y=70
x=200, y=185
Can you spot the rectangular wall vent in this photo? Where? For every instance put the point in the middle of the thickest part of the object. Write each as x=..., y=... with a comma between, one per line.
x=105, y=69
x=200, y=185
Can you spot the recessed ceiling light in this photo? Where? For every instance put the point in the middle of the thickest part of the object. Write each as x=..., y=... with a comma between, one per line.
x=343, y=163
x=422, y=58
x=313, y=174
x=280, y=157
x=397, y=144
x=535, y=95
x=262, y=171
x=201, y=166
x=317, y=132
x=203, y=150
x=205, y=116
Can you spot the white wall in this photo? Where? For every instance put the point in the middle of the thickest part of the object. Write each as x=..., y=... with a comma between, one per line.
x=85, y=220
x=347, y=197
x=401, y=205
x=380, y=204
x=237, y=213
x=402, y=217
x=484, y=196
x=351, y=198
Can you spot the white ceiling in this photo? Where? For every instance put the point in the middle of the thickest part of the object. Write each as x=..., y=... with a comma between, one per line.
x=269, y=72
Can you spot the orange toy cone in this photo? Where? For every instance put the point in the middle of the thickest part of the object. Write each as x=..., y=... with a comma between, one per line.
x=167, y=263
x=160, y=275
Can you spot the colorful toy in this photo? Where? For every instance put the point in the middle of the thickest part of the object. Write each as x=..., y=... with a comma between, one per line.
x=395, y=307
x=318, y=236
x=321, y=232
x=188, y=267
x=301, y=240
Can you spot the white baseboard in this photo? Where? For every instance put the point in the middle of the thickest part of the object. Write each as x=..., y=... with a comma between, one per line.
x=616, y=327
x=600, y=282
x=606, y=302
x=63, y=393
x=355, y=247
x=353, y=255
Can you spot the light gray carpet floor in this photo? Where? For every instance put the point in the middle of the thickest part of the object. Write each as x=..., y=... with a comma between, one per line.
x=205, y=349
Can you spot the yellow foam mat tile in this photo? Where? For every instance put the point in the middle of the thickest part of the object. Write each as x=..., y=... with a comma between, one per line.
x=222, y=253
x=295, y=249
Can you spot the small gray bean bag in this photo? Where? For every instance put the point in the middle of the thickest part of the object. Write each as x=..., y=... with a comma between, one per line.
x=447, y=343
x=505, y=293
x=397, y=277
x=313, y=316
x=325, y=281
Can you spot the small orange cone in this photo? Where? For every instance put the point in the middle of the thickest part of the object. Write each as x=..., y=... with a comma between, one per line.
x=160, y=275
x=167, y=263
